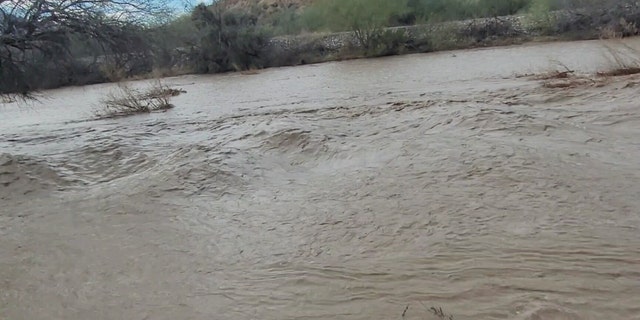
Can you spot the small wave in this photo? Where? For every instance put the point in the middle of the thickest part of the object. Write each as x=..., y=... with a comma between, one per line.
x=296, y=141
x=22, y=175
x=104, y=163
x=193, y=170
x=549, y=313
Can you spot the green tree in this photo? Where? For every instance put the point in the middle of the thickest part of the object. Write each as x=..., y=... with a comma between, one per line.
x=228, y=40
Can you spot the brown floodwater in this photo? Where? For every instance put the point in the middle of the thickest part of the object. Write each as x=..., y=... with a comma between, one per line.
x=366, y=189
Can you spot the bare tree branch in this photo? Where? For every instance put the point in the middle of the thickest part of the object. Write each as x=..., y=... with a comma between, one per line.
x=31, y=29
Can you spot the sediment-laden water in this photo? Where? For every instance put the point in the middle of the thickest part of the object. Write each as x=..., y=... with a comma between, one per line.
x=345, y=190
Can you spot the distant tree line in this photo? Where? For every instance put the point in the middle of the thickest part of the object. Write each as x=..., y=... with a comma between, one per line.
x=50, y=43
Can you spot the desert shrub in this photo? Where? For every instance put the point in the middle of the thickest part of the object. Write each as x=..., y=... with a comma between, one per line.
x=619, y=29
x=585, y=18
x=390, y=42
x=385, y=43
x=540, y=18
x=623, y=59
x=365, y=18
x=296, y=51
x=481, y=30
x=441, y=37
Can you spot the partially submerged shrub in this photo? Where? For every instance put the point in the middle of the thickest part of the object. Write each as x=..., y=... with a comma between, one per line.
x=624, y=59
x=569, y=82
x=438, y=312
x=126, y=100
x=620, y=72
x=555, y=74
x=7, y=99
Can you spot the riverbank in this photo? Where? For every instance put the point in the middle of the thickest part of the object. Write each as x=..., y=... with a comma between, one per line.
x=486, y=32
x=314, y=48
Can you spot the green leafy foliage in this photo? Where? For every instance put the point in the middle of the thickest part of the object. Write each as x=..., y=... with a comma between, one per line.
x=365, y=18
x=350, y=15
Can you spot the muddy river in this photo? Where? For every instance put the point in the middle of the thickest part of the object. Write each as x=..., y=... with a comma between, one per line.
x=368, y=189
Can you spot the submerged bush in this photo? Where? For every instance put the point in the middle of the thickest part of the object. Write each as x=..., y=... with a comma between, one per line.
x=126, y=100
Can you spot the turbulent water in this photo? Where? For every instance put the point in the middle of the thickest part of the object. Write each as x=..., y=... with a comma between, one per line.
x=370, y=189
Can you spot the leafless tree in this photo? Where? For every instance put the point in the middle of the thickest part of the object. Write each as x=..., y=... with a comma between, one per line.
x=32, y=30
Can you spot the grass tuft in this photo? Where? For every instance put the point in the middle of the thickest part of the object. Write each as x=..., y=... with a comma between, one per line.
x=438, y=312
